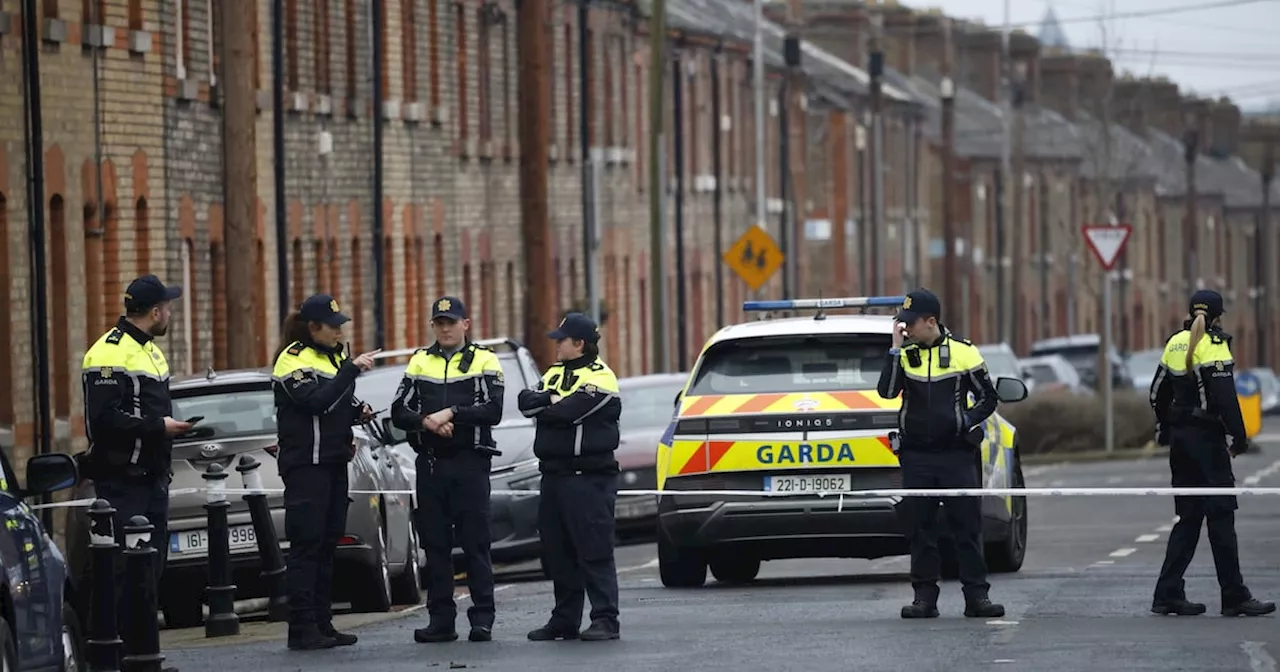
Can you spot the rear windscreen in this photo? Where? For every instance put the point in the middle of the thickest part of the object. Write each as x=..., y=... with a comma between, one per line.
x=228, y=411
x=783, y=364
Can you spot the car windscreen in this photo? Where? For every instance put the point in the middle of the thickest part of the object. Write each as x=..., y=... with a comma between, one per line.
x=1041, y=373
x=228, y=410
x=1144, y=363
x=1083, y=357
x=1000, y=363
x=378, y=387
x=648, y=406
x=783, y=364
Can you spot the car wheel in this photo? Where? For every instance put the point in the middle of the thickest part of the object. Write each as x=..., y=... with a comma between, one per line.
x=406, y=587
x=72, y=640
x=680, y=568
x=375, y=595
x=735, y=569
x=8, y=654
x=1007, y=554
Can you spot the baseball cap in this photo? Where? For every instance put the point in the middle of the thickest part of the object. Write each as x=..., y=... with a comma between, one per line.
x=919, y=303
x=1207, y=300
x=578, y=327
x=147, y=291
x=324, y=309
x=449, y=307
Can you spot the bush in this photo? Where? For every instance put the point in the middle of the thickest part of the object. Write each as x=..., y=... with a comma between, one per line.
x=1061, y=422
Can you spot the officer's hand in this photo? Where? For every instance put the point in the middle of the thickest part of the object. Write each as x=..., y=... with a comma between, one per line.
x=365, y=360
x=899, y=334
x=446, y=430
x=175, y=427
x=440, y=417
x=555, y=398
x=366, y=413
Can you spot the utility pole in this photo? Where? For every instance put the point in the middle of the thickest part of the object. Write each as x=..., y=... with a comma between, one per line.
x=586, y=133
x=658, y=186
x=1018, y=177
x=795, y=127
x=376, y=21
x=717, y=168
x=240, y=190
x=678, y=75
x=277, y=152
x=757, y=77
x=951, y=279
x=1190, y=148
x=875, y=68
x=532, y=17
x=1002, y=180
x=1261, y=249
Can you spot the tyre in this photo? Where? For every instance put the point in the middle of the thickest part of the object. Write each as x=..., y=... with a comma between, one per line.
x=8, y=652
x=72, y=640
x=680, y=568
x=1007, y=554
x=735, y=569
x=405, y=587
x=373, y=593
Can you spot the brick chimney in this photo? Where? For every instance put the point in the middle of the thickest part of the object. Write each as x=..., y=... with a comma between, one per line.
x=1163, y=107
x=898, y=41
x=1060, y=84
x=1196, y=112
x=839, y=27
x=1131, y=103
x=1225, y=119
x=930, y=44
x=1024, y=50
x=978, y=62
x=1096, y=79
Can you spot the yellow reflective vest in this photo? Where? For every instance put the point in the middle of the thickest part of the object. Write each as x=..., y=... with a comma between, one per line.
x=126, y=396
x=578, y=433
x=315, y=405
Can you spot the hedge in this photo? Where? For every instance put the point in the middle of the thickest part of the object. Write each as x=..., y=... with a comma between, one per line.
x=1061, y=422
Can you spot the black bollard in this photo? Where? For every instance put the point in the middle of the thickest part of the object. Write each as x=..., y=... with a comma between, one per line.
x=222, y=620
x=142, y=646
x=268, y=544
x=104, y=642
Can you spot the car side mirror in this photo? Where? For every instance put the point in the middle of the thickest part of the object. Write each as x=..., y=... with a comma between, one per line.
x=49, y=473
x=392, y=433
x=1010, y=390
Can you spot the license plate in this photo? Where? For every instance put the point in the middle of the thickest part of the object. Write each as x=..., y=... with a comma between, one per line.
x=189, y=541
x=807, y=483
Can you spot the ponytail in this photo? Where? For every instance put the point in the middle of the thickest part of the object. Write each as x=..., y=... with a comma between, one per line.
x=1198, y=328
x=294, y=329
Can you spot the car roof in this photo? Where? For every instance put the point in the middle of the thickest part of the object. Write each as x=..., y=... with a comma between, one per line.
x=212, y=377
x=653, y=380
x=1076, y=340
x=806, y=326
x=501, y=346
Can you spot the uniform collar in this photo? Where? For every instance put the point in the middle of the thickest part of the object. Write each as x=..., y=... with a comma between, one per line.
x=942, y=338
x=134, y=332
x=323, y=349
x=439, y=351
x=579, y=362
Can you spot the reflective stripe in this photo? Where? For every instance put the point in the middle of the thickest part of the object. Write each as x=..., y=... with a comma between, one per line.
x=928, y=378
x=595, y=408
x=577, y=440
x=894, y=373
x=315, y=439
x=440, y=381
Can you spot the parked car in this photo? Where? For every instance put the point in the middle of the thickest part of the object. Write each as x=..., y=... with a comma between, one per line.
x=1143, y=365
x=1002, y=361
x=39, y=593
x=1052, y=373
x=648, y=408
x=1270, y=389
x=376, y=558
x=513, y=519
x=1081, y=350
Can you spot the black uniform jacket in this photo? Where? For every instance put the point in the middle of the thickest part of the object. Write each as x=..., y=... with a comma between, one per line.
x=578, y=433
x=935, y=381
x=470, y=381
x=315, y=405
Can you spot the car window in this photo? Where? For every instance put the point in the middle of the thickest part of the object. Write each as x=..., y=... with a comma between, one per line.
x=782, y=364
x=648, y=406
x=228, y=410
x=1000, y=363
x=8, y=480
x=1041, y=373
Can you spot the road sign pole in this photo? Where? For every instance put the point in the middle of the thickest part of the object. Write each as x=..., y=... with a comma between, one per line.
x=1107, y=242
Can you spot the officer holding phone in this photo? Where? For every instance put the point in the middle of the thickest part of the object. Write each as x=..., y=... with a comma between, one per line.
x=935, y=372
x=128, y=420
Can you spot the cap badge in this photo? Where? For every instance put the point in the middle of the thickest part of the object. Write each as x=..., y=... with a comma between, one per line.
x=333, y=305
x=443, y=304
x=1201, y=306
x=563, y=320
x=906, y=303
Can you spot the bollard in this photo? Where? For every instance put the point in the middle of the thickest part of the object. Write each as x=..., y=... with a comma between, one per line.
x=142, y=646
x=268, y=545
x=104, y=642
x=222, y=620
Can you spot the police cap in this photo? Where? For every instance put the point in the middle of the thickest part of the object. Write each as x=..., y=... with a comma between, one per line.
x=324, y=309
x=919, y=303
x=450, y=308
x=1207, y=300
x=146, y=292
x=578, y=327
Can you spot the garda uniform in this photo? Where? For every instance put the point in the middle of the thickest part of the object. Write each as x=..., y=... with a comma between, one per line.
x=315, y=409
x=453, y=472
x=575, y=442
x=1198, y=417
x=940, y=437
x=126, y=395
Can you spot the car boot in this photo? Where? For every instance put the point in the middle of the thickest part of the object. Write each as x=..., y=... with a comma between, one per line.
x=601, y=629
x=983, y=608
x=1250, y=607
x=309, y=638
x=435, y=633
x=340, y=638
x=551, y=632
x=1177, y=607
x=920, y=609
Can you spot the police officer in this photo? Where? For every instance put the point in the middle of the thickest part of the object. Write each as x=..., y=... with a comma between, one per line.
x=1198, y=416
x=576, y=406
x=449, y=400
x=939, y=435
x=127, y=419
x=315, y=410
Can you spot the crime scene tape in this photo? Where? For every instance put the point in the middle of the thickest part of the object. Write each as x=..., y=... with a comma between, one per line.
x=890, y=493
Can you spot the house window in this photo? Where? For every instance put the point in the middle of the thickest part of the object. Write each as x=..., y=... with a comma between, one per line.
x=460, y=36
x=433, y=49
x=188, y=303
x=184, y=37
x=349, y=15
x=291, y=45
x=323, y=83
x=506, y=86
x=409, y=47
x=483, y=14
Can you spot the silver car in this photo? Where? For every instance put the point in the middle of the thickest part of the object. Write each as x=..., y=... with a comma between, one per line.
x=376, y=560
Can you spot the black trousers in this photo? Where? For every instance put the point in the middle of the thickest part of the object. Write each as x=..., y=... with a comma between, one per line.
x=576, y=523
x=315, y=518
x=1198, y=457
x=137, y=497
x=453, y=503
x=943, y=469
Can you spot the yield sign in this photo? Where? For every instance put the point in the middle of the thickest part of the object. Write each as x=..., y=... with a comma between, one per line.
x=1107, y=242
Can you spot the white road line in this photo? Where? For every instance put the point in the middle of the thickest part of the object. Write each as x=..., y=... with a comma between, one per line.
x=1262, y=473
x=1105, y=562
x=1164, y=528
x=1123, y=552
x=1147, y=538
x=464, y=595
x=1266, y=438
x=1112, y=480
x=648, y=565
x=1259, y=659
x=1057, y=484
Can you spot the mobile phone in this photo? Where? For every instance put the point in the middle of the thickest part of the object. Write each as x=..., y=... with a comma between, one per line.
x=194, y=420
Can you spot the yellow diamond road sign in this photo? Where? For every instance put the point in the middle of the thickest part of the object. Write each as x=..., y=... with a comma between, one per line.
x=755, y=257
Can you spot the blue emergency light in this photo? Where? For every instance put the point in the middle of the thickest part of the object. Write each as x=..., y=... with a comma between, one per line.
x=824, y=304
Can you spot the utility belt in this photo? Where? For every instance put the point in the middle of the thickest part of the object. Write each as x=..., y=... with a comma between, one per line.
x=1186, y=414
x=92, y=467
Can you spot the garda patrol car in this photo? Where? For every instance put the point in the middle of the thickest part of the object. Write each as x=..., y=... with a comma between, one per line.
x=790, y=406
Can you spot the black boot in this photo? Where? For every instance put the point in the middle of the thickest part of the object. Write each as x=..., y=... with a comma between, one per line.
x=309, y=638
x=983, y=608
x=339, y=638
x=480, y=633
x=1178, y=607
x=1250, y=607
x=601, y=629
x=435, y=633
x=551, y=632
x=920, y=609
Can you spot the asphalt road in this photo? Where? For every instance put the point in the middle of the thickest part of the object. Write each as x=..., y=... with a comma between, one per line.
x=1080, y=603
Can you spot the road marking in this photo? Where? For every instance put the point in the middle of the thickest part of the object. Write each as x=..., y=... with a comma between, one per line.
x=1112, y=480
x=1105, y=562
x=1262, y=473
x=1266, y=438
x=1147, y=538
x=1002, y=661
x=1057, y=484
x=1000, y=622
x=1259, y=659
x=648, y=565
x=464, y=595
x=1123, y=552
x=1164, y=528
x=1043, y=469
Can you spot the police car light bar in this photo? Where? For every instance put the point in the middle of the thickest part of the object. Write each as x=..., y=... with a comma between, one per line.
x=821, y=304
